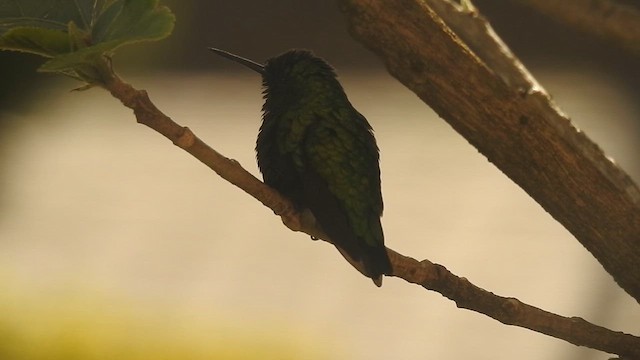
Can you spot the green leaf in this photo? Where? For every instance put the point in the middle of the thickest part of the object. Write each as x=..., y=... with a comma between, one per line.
x=48, y=14
x=43, y=42
x=76, y=34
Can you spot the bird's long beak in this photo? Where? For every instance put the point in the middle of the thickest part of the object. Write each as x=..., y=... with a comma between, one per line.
x=239, y=59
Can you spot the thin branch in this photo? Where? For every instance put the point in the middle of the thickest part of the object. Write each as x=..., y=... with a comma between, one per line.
x=513, y=123
x=430, y=276
x=611, y=20
x=511, y=311
x=148, y=114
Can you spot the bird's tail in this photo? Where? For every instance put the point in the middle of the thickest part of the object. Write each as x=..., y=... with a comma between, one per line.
x=372, y=263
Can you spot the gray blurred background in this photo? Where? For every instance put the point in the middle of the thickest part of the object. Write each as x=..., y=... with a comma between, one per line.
x=116, y=244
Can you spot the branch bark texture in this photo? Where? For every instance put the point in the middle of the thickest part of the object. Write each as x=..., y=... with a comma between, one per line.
x=424, y=273
x=517, y=128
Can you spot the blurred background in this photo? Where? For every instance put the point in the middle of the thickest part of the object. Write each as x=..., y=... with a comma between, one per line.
x=114, y=244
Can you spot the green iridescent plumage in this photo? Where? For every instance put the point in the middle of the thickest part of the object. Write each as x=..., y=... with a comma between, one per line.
x=317, y=150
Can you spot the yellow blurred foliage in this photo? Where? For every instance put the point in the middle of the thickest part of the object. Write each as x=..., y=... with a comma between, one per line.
x=84, y=324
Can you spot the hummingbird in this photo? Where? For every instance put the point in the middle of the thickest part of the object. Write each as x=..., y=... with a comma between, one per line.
x=316, y=149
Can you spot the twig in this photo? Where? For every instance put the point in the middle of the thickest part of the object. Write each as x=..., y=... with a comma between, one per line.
x=424, y=273
x=511, y=311
x=516, y=127
x=148, y=114
x=610, y=20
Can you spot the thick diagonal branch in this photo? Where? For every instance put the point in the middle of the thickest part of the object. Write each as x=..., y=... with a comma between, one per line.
x=514, y=124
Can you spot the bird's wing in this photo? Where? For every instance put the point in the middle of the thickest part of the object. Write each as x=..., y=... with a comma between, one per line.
x=342, y=188
x=346, y=163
